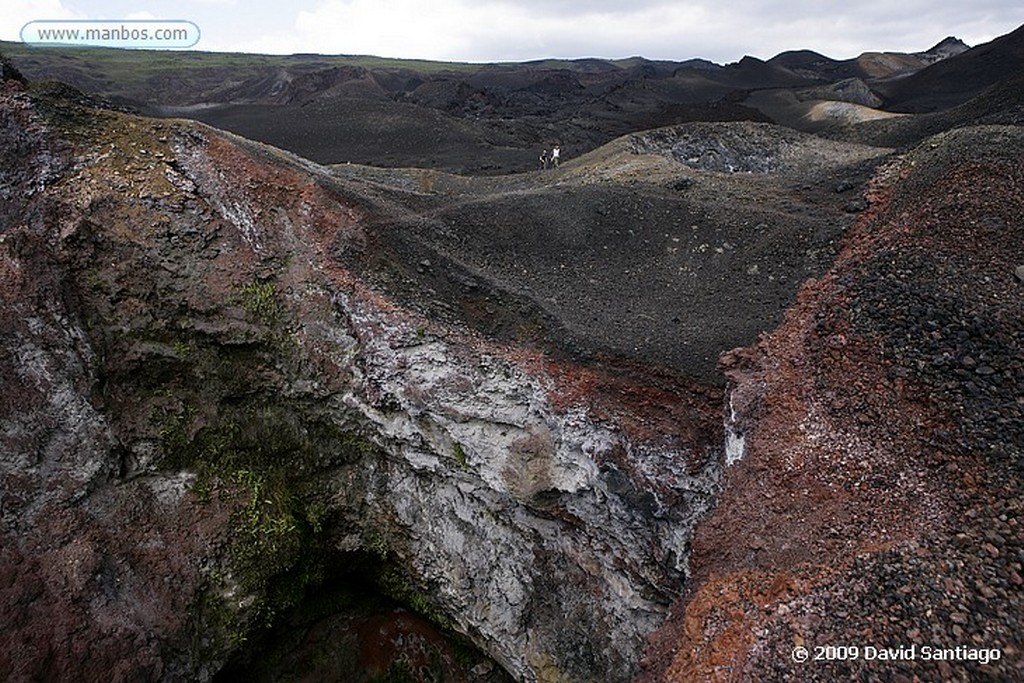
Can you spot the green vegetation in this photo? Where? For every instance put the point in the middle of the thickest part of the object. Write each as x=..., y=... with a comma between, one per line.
x=182, y=348
x=276, y=551
x=259, y=301
x=59, y=106
x=140, y=65
x=459, y=454
x=263, y=454
x=139, y=68
x=218, y=411
x=377, y=544
x=95, y=281
x=396, y=584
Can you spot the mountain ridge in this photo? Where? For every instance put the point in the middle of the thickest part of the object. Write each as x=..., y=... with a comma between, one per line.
x=484, y=118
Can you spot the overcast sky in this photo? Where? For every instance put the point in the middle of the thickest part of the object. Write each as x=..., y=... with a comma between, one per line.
x=501, y=30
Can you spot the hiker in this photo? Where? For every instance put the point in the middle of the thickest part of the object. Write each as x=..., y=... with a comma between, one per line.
x=554, y=156
x=543, y=160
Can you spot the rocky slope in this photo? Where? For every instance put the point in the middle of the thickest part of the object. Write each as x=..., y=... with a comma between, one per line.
x=207, y=418
x=629, y=252
x=874, y=495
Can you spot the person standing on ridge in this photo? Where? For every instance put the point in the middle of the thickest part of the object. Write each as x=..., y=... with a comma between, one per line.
x=555, y=156
x=543, y=160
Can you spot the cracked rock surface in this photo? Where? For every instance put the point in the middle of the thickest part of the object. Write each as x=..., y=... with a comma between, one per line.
x=206, y=415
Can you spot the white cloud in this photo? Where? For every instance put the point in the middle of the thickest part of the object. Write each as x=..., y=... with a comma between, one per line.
x=441, y=29
x=490, y=30
x=497, y=30
x=516, y=30
x=142, y=16
x=17, y=13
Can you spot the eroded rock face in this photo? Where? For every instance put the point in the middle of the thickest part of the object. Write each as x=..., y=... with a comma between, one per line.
x=203, y=412
x=877, y=496
x=509, y=503
x=88, y=557
x=746, y=148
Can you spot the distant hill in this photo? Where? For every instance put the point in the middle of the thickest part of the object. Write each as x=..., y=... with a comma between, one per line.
x=952, y=81
x=814, y=65
x=496, y=118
